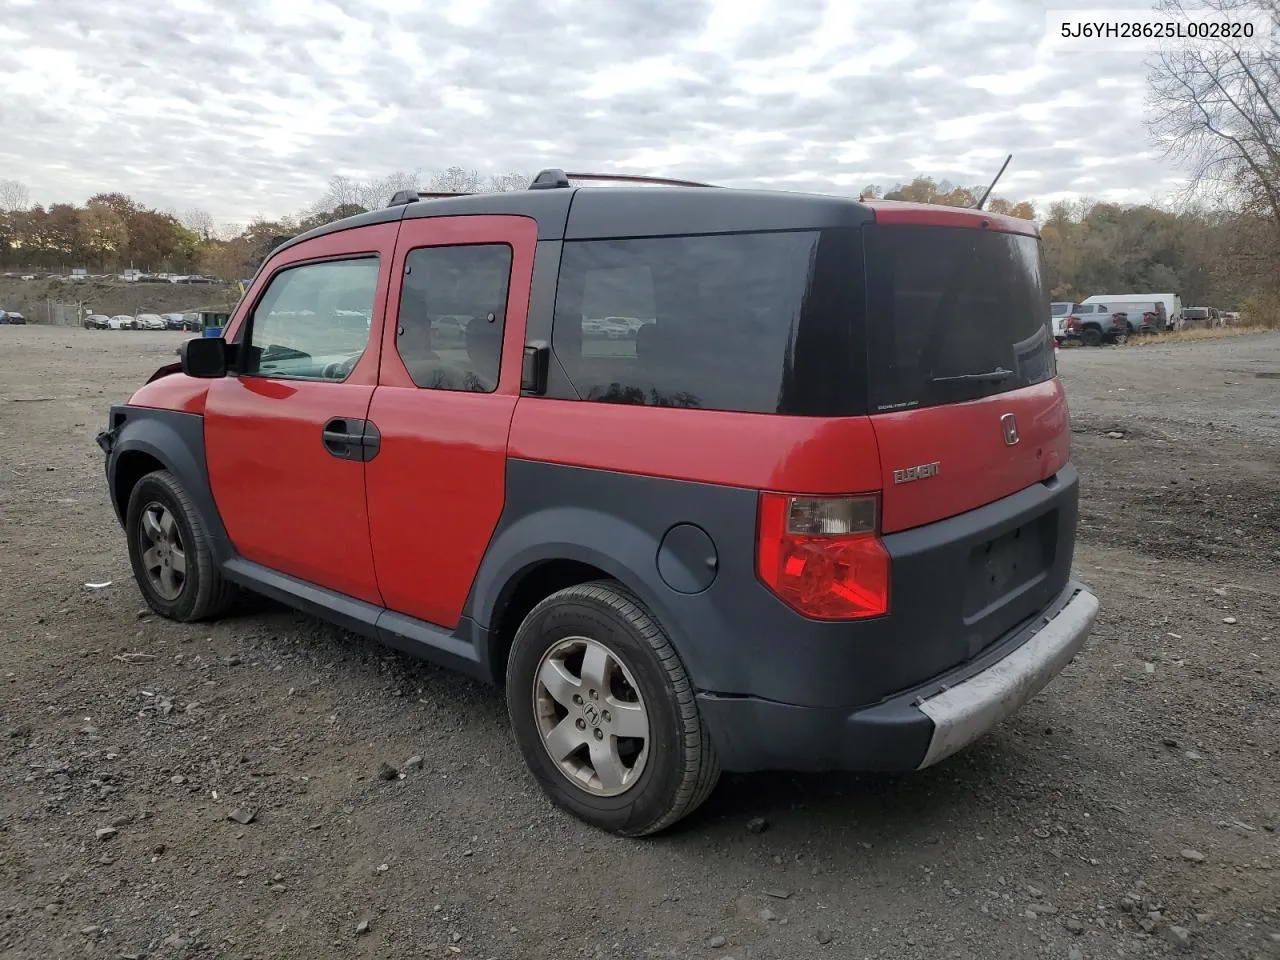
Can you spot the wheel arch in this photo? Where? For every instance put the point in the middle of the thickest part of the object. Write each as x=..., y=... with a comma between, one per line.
x=554, y=549
x=150, y=440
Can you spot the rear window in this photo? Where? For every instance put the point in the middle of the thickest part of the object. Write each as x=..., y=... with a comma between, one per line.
x=754, y=322
x=953, y=314
x=1061, y=309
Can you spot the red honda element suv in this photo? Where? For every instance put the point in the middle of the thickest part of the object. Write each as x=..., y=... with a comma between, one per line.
x=707, y=479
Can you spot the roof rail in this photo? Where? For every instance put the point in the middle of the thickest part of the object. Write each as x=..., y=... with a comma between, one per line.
x=553, y=178
x=402, y=197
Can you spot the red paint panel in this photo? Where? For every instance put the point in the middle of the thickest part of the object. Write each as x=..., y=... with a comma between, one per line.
x=758, y=451
x=930, y=214
x=437, y=488
x=286, y=502
x=436, y=491
x=967, y=440
x=176, y=392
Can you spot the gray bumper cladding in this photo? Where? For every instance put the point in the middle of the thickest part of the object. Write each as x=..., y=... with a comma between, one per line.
x=963, y=713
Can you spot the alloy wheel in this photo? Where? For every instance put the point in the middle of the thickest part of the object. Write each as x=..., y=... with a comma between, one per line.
x=591, y=717
x=163, y=554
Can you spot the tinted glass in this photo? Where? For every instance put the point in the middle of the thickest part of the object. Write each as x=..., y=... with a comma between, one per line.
x=313, y=321
x=452, y=314
x=1061, y=309
x=749, y=322
x=953, y=314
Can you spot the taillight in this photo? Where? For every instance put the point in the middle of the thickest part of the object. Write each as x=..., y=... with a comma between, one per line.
x=1073, y=323
x=822, y=556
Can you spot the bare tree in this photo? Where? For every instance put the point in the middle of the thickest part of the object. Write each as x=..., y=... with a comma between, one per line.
x=200, y=222
x=507, y=182
x=1216, y=107
x=14, y=196
x=457, y=180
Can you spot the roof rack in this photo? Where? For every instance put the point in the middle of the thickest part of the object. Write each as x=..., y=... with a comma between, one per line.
x=550, y=179
x=402, y=197
x=553, y=178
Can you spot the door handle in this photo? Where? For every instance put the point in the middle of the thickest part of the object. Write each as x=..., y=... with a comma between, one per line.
x=349, y=439
x=341, y=437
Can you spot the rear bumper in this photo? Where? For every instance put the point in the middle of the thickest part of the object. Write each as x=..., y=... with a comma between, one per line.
x=916, y=728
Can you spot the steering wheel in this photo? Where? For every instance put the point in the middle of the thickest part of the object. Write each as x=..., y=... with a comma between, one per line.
x=339, y=369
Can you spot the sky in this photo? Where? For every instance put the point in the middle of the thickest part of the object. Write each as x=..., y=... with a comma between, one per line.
x=245, y=108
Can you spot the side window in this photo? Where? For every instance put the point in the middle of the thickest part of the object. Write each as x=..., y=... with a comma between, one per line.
x=689, y=321
x=616, y=303
x=313, y=321
x=452, y=315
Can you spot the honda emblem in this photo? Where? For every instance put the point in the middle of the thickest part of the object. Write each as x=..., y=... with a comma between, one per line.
x=1010, y=425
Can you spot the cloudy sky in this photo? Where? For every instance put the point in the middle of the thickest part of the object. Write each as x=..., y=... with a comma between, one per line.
x=246, y=107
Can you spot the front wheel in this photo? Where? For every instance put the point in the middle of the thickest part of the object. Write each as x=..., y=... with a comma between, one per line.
x=170, y=551
x=604, y=712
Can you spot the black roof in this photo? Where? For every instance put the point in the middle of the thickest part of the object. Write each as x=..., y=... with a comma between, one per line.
x=565, y=211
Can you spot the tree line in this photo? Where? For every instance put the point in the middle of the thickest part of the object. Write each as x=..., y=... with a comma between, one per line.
x=1208, y=255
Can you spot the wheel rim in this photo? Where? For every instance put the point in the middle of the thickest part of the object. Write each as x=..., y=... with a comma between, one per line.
x=164, y=557
x=591, y=717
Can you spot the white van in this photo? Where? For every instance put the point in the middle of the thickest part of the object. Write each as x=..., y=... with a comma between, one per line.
x=1118, y=302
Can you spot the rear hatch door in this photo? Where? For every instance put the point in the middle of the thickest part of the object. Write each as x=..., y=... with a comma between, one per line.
x=972, y=427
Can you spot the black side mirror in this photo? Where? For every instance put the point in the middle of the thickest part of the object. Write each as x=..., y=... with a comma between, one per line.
x=204, y=357
x=533, y=371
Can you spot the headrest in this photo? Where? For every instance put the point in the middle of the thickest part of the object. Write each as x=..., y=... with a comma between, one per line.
x=657, y=343
x=484, y=343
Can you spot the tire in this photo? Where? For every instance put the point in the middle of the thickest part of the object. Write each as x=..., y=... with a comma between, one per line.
x=668, y=773
x=200, y=592
x=1121, y=336
x=1091, y=337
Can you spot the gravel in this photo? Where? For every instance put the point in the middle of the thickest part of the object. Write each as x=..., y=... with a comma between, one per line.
x=1087, y=794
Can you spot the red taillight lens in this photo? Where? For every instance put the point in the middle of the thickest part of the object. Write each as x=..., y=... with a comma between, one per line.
x=823, y=556
x=1073, y=323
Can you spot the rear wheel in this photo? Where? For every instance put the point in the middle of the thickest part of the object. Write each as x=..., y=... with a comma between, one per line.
x=1091, y=336
x=1122, y=335
x=170, y=552
x=604, y=713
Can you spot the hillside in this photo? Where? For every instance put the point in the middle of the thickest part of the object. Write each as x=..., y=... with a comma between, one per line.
x=31, y=297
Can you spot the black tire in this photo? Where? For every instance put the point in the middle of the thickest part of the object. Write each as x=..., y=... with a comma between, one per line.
x=681, y=768
x=203, y=592
x=1091, y=337
x=1122, y=335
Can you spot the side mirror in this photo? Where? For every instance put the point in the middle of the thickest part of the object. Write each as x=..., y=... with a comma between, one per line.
x=204, y=357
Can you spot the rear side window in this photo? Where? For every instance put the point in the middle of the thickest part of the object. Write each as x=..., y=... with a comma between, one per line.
x=453, y=309
x=953, y=314
x=758, y=323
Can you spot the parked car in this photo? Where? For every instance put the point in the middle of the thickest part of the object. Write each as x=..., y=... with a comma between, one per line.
x=149, y=321
x=122, y=321
x=818, y=516
x=1193, y=317
x=1058, y=313
x=1094, y=324
x=12, y=316
x=1139, y=317
x=1169, y=304
x=97, y=321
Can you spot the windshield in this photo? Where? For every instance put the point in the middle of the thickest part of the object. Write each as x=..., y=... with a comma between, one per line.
x=953, y=314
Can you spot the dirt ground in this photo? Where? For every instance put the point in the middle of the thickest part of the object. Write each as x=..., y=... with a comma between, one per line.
x=1129, y=811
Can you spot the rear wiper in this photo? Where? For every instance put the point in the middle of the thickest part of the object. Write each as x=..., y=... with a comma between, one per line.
x=997, y=375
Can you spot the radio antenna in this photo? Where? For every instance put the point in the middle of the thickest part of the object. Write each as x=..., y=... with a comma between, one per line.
x=978, y=205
